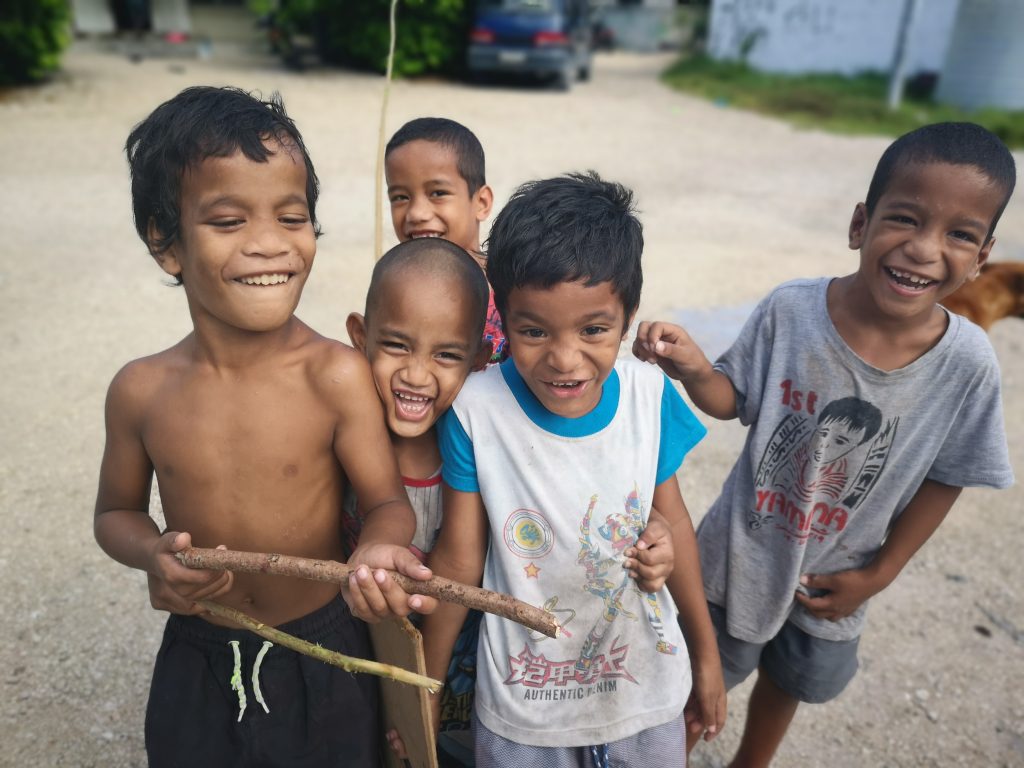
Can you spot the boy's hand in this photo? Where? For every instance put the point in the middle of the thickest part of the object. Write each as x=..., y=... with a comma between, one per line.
x=845, y=592
x=396, y=744
x=672, y=349
x=651, y=560
x=373, y=595
x=705, y=710
x=175, y=587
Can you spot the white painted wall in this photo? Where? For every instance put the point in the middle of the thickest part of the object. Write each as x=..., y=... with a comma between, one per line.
x=843, y=36
x=985, y=64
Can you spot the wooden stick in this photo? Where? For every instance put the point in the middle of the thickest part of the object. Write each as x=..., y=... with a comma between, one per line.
x=348, y=663
x=497, y=603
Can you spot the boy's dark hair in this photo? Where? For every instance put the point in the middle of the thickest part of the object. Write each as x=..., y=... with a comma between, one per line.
x=951, y=143
x=859, y=414
x=469, y=155
x=562, y=230
x=199, y=123
x=436, y=257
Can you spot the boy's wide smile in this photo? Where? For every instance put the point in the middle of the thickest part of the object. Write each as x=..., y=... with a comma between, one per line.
x=277, y=278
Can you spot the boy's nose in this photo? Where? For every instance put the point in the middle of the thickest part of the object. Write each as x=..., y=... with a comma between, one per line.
x=926, y=247
x=419, y=209
x=266, y=239
x=416, y=372
x=563, y=358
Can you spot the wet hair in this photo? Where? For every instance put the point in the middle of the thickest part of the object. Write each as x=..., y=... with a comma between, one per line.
x=563, y=230
x=469, y=155
x=859, y=414
x=199, y=123
x=433, y=257
x=953, y=144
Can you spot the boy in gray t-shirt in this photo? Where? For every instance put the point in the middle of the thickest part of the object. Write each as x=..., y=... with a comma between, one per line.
x=870, y=407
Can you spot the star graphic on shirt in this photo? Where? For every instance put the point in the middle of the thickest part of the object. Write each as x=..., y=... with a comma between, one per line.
x=531, y=571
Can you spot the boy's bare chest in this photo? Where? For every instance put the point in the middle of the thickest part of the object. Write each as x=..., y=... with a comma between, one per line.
x=250, y=434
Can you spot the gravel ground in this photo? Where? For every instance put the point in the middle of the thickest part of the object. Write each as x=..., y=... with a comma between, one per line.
x=732, y=205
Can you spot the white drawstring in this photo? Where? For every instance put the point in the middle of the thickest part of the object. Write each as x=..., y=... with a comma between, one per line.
x=267, y=645
x=236, y=677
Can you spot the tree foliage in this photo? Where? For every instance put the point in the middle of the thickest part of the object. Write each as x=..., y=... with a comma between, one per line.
x=33, y=34
x=431, y=33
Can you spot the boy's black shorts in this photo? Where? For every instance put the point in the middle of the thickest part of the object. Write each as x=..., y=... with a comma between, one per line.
x=319, y=715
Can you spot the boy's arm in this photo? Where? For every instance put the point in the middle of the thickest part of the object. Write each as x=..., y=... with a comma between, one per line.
x=706, y=709
x=459, y=555
x=849, y=590
x=680, y=358
x=122, y=525
x=363, y=447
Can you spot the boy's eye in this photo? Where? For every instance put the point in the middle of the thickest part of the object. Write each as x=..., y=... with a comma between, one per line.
x=532, y=333
x=226, y=223
x=294, y=220
x=450, y=357
x=594, y=330
x=393, y=346
x=439, y=192
x=901, y=219
x=398, y=198
x=967, y=237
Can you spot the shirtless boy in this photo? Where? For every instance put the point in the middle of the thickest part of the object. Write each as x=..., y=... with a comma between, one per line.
x=251, y=423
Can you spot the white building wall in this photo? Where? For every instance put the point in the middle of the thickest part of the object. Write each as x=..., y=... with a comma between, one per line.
x=985, y=64
x=842, y=36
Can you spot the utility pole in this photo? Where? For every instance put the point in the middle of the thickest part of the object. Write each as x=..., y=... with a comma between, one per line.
x=898, y=73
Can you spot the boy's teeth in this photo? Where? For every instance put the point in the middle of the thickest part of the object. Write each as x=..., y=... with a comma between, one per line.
x=909, y=277
x=564, y=383
x=265, y=279
x=412, y=398
x=418, y=235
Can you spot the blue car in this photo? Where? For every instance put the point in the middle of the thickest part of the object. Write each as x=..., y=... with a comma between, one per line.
x=552, y=39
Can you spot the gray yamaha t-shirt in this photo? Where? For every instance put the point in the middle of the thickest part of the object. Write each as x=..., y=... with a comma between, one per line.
x=836, y=450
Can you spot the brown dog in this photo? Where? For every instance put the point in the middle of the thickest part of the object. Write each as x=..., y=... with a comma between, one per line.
x=997, y=292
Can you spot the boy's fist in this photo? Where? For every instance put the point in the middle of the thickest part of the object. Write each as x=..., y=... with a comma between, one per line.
x=651, y=560
x=175, y=587
x=373, y=595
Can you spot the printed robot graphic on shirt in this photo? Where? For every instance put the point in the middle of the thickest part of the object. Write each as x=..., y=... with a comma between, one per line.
x=605, y=579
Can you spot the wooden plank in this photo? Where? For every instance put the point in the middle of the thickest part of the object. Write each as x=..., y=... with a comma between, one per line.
x=404, y=707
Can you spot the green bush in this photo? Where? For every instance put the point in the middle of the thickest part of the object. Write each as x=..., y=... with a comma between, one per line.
x=431, y=34
x=33, y=33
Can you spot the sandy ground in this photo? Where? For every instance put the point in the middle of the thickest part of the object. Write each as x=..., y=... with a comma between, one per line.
x=732, y=204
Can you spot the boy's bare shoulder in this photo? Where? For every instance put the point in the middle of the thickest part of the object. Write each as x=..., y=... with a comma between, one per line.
x=141, y=379
x=336, y=368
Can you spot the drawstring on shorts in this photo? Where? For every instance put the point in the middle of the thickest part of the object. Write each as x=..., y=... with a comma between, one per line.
x=599, y=755
x=236, y=677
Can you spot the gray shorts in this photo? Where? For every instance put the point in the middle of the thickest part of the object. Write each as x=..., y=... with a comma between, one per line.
x=663, y=745
x=807, y=668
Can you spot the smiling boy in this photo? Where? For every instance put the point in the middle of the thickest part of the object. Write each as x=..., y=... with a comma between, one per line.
x=553, y=461
x=915, y=415
x=437, y=188
x=253, y=425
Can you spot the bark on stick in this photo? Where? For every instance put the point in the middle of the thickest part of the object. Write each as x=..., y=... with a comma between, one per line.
x=497, y=603
x=348, y=663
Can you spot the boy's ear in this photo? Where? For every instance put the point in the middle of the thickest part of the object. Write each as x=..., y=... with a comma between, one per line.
x=983, y=255
x=628, y=325
x=166, y=258
x=356, y=327
x=858, y=226
x=483, y=355
x=483, y=202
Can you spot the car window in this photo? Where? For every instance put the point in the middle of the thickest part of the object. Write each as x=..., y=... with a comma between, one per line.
x=528, y=6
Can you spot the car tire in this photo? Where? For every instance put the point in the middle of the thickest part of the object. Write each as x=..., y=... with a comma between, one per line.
x=563, y=80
